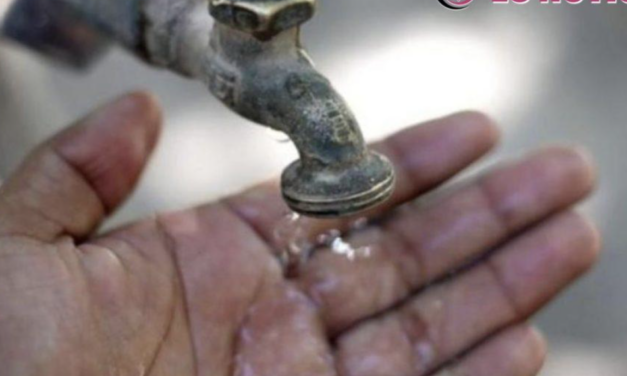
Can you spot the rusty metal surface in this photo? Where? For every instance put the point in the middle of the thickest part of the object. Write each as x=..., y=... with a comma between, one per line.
x=271, y=81
x=251, y=59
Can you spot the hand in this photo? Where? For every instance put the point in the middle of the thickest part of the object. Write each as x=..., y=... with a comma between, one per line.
x=452, y=277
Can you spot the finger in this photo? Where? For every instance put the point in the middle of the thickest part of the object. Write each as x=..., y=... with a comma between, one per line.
x=423, y=157
x=450, y=318
x=517, y=351
x=70, y=183
x=423, y=244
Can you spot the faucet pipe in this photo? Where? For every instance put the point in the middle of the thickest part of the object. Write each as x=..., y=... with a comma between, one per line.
x=251, y=58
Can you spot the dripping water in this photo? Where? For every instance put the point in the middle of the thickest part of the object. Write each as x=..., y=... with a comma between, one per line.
x=296, y=241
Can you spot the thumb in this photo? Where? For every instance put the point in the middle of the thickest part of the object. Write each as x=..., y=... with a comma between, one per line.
x=70, y=183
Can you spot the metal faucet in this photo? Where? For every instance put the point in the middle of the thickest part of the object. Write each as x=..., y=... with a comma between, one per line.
x=251, y=59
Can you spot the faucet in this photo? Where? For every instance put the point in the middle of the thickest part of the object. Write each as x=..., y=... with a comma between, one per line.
x=249, y=54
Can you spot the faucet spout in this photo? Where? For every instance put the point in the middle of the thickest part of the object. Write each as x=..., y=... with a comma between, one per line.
x=267, y=77
x=252, y=60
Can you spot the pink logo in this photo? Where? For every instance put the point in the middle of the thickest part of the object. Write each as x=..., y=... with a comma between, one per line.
x=456, y=4
x=462, y=4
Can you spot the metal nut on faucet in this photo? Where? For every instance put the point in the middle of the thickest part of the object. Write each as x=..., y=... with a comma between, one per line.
x=263, y=17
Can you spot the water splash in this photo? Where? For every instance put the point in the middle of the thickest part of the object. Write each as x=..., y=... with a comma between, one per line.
x=338, y=244
x=296, y=240
x=292, y=239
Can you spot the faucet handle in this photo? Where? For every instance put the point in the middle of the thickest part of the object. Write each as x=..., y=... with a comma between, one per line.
x=264, y=18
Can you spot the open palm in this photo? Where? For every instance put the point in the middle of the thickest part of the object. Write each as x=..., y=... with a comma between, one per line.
x=446, y=287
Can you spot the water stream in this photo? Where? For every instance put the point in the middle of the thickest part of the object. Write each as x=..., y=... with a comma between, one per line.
x=297, y=240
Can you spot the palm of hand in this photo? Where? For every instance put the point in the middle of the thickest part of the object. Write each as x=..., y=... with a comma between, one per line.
x=200, y=292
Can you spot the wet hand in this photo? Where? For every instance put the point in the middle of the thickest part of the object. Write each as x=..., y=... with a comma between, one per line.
x=446, y=285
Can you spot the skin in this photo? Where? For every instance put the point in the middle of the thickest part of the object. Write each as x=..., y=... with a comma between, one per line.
x=447, y=288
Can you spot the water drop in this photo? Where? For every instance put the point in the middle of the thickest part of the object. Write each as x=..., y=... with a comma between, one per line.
x=295, y=243
x=342, y=247
x=292, y=238
x=359, y=224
